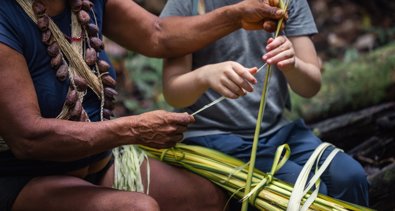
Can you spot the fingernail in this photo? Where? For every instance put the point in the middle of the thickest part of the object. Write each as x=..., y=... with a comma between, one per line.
x=280, y=12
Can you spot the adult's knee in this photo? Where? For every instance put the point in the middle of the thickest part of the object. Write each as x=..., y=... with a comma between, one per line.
x=126, y=201
x=147, y=204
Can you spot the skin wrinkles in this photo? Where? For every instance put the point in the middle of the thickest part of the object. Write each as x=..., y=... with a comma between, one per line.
x=32, y=137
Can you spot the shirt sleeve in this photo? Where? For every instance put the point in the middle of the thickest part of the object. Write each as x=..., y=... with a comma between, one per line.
x=300, y=21
x=177, y=8
x=8, y=34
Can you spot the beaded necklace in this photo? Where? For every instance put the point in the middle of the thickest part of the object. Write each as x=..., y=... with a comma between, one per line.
x=76, y=58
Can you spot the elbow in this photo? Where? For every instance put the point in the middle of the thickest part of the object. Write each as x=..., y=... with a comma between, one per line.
x=312, y=91
x=162, y=45
x=177, y=102
x=158, y=46
x=25, y=143
x=172, y=102
x=23, y=151
x=314, y=86
x=177, y=106
x=23, y=146
x=309, y=95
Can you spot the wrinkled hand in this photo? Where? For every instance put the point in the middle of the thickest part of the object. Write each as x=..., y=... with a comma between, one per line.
x=258, y=14
x=230, y=79
x=160, y=129
x=280, y=52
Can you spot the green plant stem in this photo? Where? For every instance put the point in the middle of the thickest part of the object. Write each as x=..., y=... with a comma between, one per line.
x=228, y=173
x=262, y=106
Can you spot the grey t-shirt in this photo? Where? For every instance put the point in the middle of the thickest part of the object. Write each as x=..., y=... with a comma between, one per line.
x=246, y=47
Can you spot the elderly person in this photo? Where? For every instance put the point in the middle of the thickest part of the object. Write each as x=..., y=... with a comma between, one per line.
x=58, y=88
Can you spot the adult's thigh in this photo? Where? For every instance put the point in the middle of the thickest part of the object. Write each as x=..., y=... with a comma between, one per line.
x=71, y=193
x=178, y=189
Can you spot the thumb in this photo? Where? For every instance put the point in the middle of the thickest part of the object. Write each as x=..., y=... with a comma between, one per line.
x=269, y=40
x=269, y=26
x=274, y=3
x=253, y=70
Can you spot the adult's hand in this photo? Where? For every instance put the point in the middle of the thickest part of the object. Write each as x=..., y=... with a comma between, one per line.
x=160, y=129
x=254, y=13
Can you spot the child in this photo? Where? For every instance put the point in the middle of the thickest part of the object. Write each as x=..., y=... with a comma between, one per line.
x=220, y=69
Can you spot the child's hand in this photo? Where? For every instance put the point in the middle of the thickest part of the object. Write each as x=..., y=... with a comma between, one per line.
x=280, y=52
x=230, y=79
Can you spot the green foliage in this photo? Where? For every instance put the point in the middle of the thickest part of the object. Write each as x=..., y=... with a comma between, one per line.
x=384, y=34
x=355, y=83
x=146, y=74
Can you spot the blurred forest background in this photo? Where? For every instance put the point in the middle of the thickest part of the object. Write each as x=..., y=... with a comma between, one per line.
x=355, y=109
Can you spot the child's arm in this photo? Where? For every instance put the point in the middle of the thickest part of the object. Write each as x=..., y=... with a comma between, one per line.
x=297, y=59
x=182, y=87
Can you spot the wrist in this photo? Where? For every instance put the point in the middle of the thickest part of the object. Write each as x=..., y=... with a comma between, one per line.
x=233, y=15
x=297, y=64
x=202, y=77
x=125, y=129
x=292, y=67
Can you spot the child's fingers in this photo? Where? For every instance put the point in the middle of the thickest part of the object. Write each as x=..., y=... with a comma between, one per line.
x=277, y=50
x=249, y=79
x=227, y=87
x=246, y=87
x=269, y=40
x=253, y=70
x=243, y=78
x=286, y=63
x=277, y=46
x=283, y=55
x=276, y=43
x=228, y=93
x=234, y=88
x=244, y=73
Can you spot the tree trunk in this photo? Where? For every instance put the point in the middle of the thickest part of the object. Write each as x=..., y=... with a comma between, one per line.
x=350, y=86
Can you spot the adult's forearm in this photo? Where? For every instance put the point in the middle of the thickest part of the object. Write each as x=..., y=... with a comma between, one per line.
x=131, y=26
x=30, y=136
x=166, y=37
x=60, y=140
x=178, y=35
